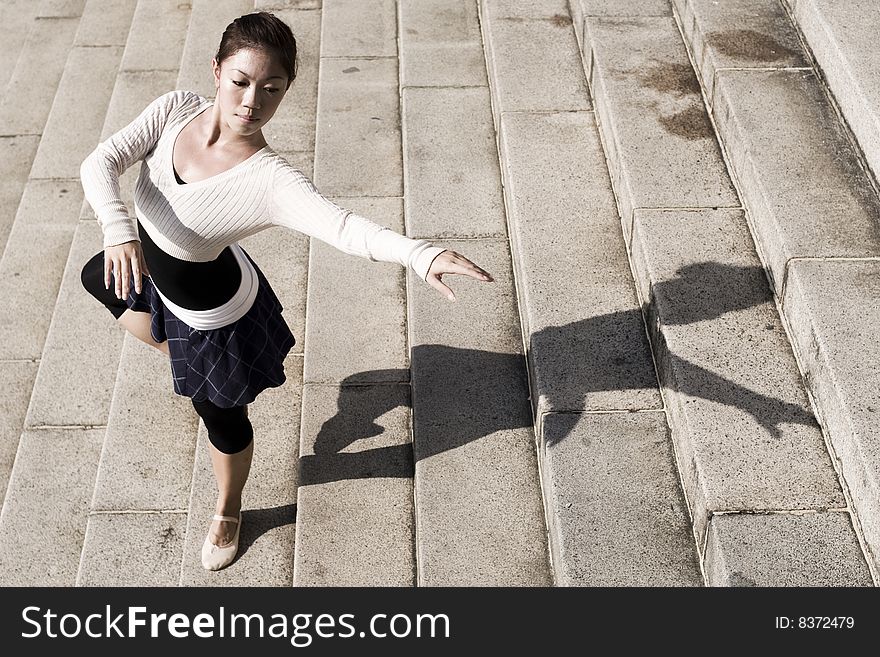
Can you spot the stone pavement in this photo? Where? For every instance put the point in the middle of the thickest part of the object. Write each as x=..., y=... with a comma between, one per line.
x=672, y=380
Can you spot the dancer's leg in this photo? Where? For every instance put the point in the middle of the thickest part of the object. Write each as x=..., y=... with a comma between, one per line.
x=138, y=324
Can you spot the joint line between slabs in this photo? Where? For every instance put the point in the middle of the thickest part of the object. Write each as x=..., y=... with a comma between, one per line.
x=132, y=512
x=47, y=427
x=605, y=411
x=776, y=512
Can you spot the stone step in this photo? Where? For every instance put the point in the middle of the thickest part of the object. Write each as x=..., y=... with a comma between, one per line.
x=18, y=17
x=594, y=389
x=843, y=39
x=813, y=211
x=40, y=238
x=746, y=438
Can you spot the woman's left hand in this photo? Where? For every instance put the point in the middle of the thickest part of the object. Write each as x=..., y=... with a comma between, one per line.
x=450, y=262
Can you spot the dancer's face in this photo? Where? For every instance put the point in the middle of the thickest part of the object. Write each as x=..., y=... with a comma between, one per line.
x=250, y=85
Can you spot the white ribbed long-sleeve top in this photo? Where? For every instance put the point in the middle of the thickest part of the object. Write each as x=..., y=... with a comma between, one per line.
x=197, y=220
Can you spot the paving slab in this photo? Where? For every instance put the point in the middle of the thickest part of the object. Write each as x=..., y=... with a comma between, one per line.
x=157, y=37
x=520, y=52
x=33, y=264
x=358, y=149
x=18, y=18
x=833, y=306
x=812, y=549
x=275, y=5
x=739, y=34
x=105, y=24
x=479, y=519
x=440, y=43
x=147, y=460
x=266, y=543
x=283, y=256
x=359, y=28
x=355, y=499
x=132, y=549
x=293, y=126
x=615, y=508
x=587, y=343
x=843, y=39
x=43, y=523
x=60, y=8
x=18, y=155
x=77, y=116
x=452, y=180
x=356, y=315
x=82, y=348
x=17, y=379
x=524, y=9
x=816, y=201
x=208, y=20
x=42, y=58
x=746, y=436
x=662, y=151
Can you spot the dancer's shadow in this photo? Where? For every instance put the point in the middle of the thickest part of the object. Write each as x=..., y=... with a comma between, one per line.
x=473, y=393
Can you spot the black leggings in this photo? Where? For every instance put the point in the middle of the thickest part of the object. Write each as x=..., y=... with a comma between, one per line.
x=229, y=429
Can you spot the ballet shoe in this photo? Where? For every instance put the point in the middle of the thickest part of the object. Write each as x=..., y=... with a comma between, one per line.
x=215, y=557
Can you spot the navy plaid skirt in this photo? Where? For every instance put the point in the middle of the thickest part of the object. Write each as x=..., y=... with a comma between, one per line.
x=228, y=366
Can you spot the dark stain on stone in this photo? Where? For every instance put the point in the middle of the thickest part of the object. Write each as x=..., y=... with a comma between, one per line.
x=738, y=579
x=351, y=69
x=560, y=20
x=749, y=45
x=692, y=123
x=678, y=79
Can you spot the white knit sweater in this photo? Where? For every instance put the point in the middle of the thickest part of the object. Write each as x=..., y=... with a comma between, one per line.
x=197, y=220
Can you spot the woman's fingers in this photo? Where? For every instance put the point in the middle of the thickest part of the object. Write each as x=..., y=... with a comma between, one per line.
x=136, y=272
x=450, y=262
x=124, y=275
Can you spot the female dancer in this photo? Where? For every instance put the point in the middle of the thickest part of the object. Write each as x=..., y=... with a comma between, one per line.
x=175, y=276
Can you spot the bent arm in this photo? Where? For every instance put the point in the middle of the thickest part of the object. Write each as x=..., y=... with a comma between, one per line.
x=101, y=170
x=297, y=204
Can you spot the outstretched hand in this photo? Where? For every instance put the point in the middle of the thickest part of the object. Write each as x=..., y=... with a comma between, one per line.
x=450, y=262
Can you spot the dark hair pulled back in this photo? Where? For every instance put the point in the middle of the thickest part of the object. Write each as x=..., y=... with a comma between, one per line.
x=260, y=30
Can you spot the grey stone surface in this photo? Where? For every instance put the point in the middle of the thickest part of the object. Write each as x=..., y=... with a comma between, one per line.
x=813, y=549
x=46, y=506
x=548, y=9
x=265, y=556
x=581, y=316
x=359, y=28
x=17, y=381
x=147, y=461
x=283, y=256
x=293, y=126
x=452, y=179
x=33, y=263
x=60, y=8
x=82, y=348
x=157, y=37
x=615, y=509
x=440, y=43
x=358, y=149
x=105, y=23
x=18, y=18
x=478, y=504
x=275, y=5
x=661, y=147
x=843, y=38
x=132, y=549
x=18, y=155
x=833, y=308
x=521, y=52
x=739, y=34
x=622, y=7
x=208, y=20
x=77, y=116
x=355, y=500
x=816, y=201
x=746, y=436
x=356, y=315
x=42, y=58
